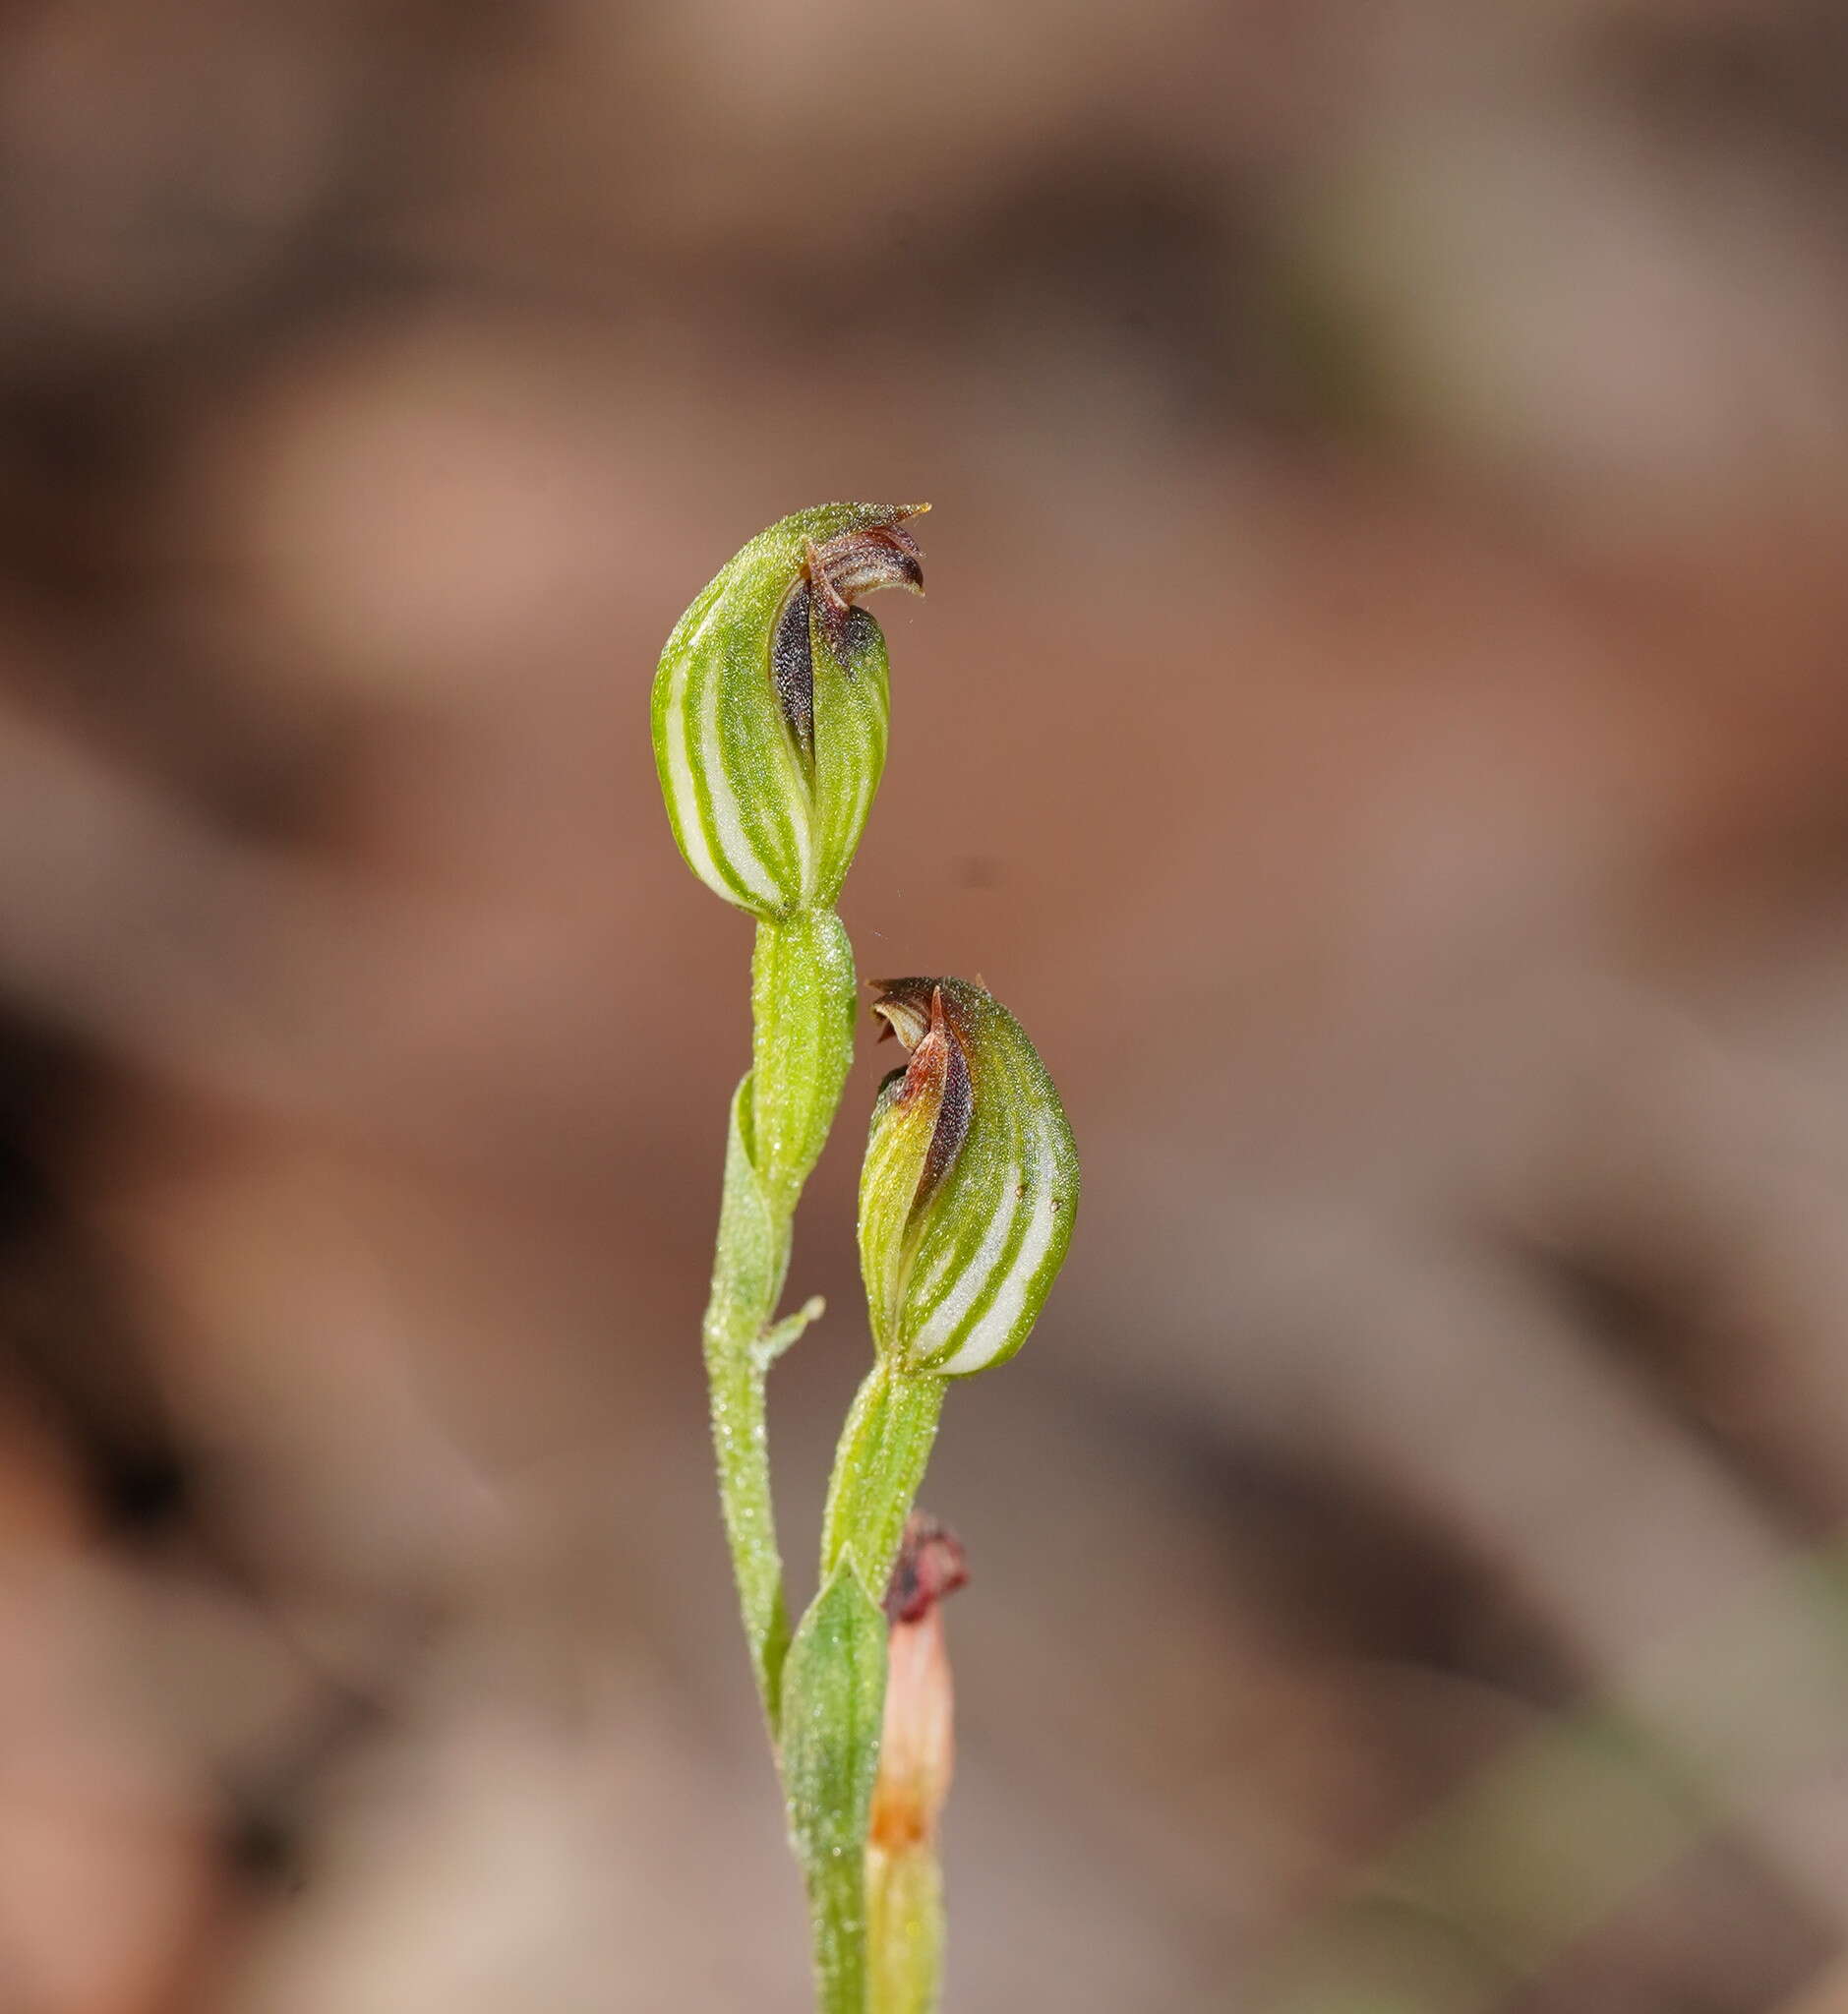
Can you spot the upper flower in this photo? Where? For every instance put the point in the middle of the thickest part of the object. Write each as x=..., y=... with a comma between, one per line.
x=771, y=706
x=969, y=1184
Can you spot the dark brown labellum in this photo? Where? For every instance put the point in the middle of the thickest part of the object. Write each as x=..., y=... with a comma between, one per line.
x=793, y=668
x=856, y=562
x=833, y=576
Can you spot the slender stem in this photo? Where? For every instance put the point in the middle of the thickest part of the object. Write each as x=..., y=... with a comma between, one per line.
x=739, y=1437
x=752, y=1257
x=803, y=1008
x=878, y=1466
x=828, y=1727
x=833, y=1704
x=832, y=1707
x=837, y=1905
x=801, y=1011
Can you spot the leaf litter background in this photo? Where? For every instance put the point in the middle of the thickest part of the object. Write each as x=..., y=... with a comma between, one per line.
x=1379, y=718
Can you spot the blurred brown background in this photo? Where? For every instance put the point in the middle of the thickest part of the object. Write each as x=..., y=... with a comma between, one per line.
x=1379, y=718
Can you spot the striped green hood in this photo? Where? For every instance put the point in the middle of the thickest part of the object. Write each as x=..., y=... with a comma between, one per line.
x=771, y=706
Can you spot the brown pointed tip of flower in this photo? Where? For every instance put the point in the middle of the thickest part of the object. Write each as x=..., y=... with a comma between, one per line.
x=901, y=511
x=931, y=1566
x=939, y=1063
x=938, y=1071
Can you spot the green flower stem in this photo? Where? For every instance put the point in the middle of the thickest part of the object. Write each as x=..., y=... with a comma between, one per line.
x=830, y=1707
x=752, y=1253
x=837, y=1910
x=904, y=1928
x=802, y=1007
x=877, y=1468
x=833, y=1702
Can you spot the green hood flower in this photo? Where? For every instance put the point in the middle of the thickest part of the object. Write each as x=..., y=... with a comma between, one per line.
x=970, y=1183
x=771, y=706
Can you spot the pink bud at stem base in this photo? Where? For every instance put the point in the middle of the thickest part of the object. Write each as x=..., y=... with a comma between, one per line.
x=916, y=1757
